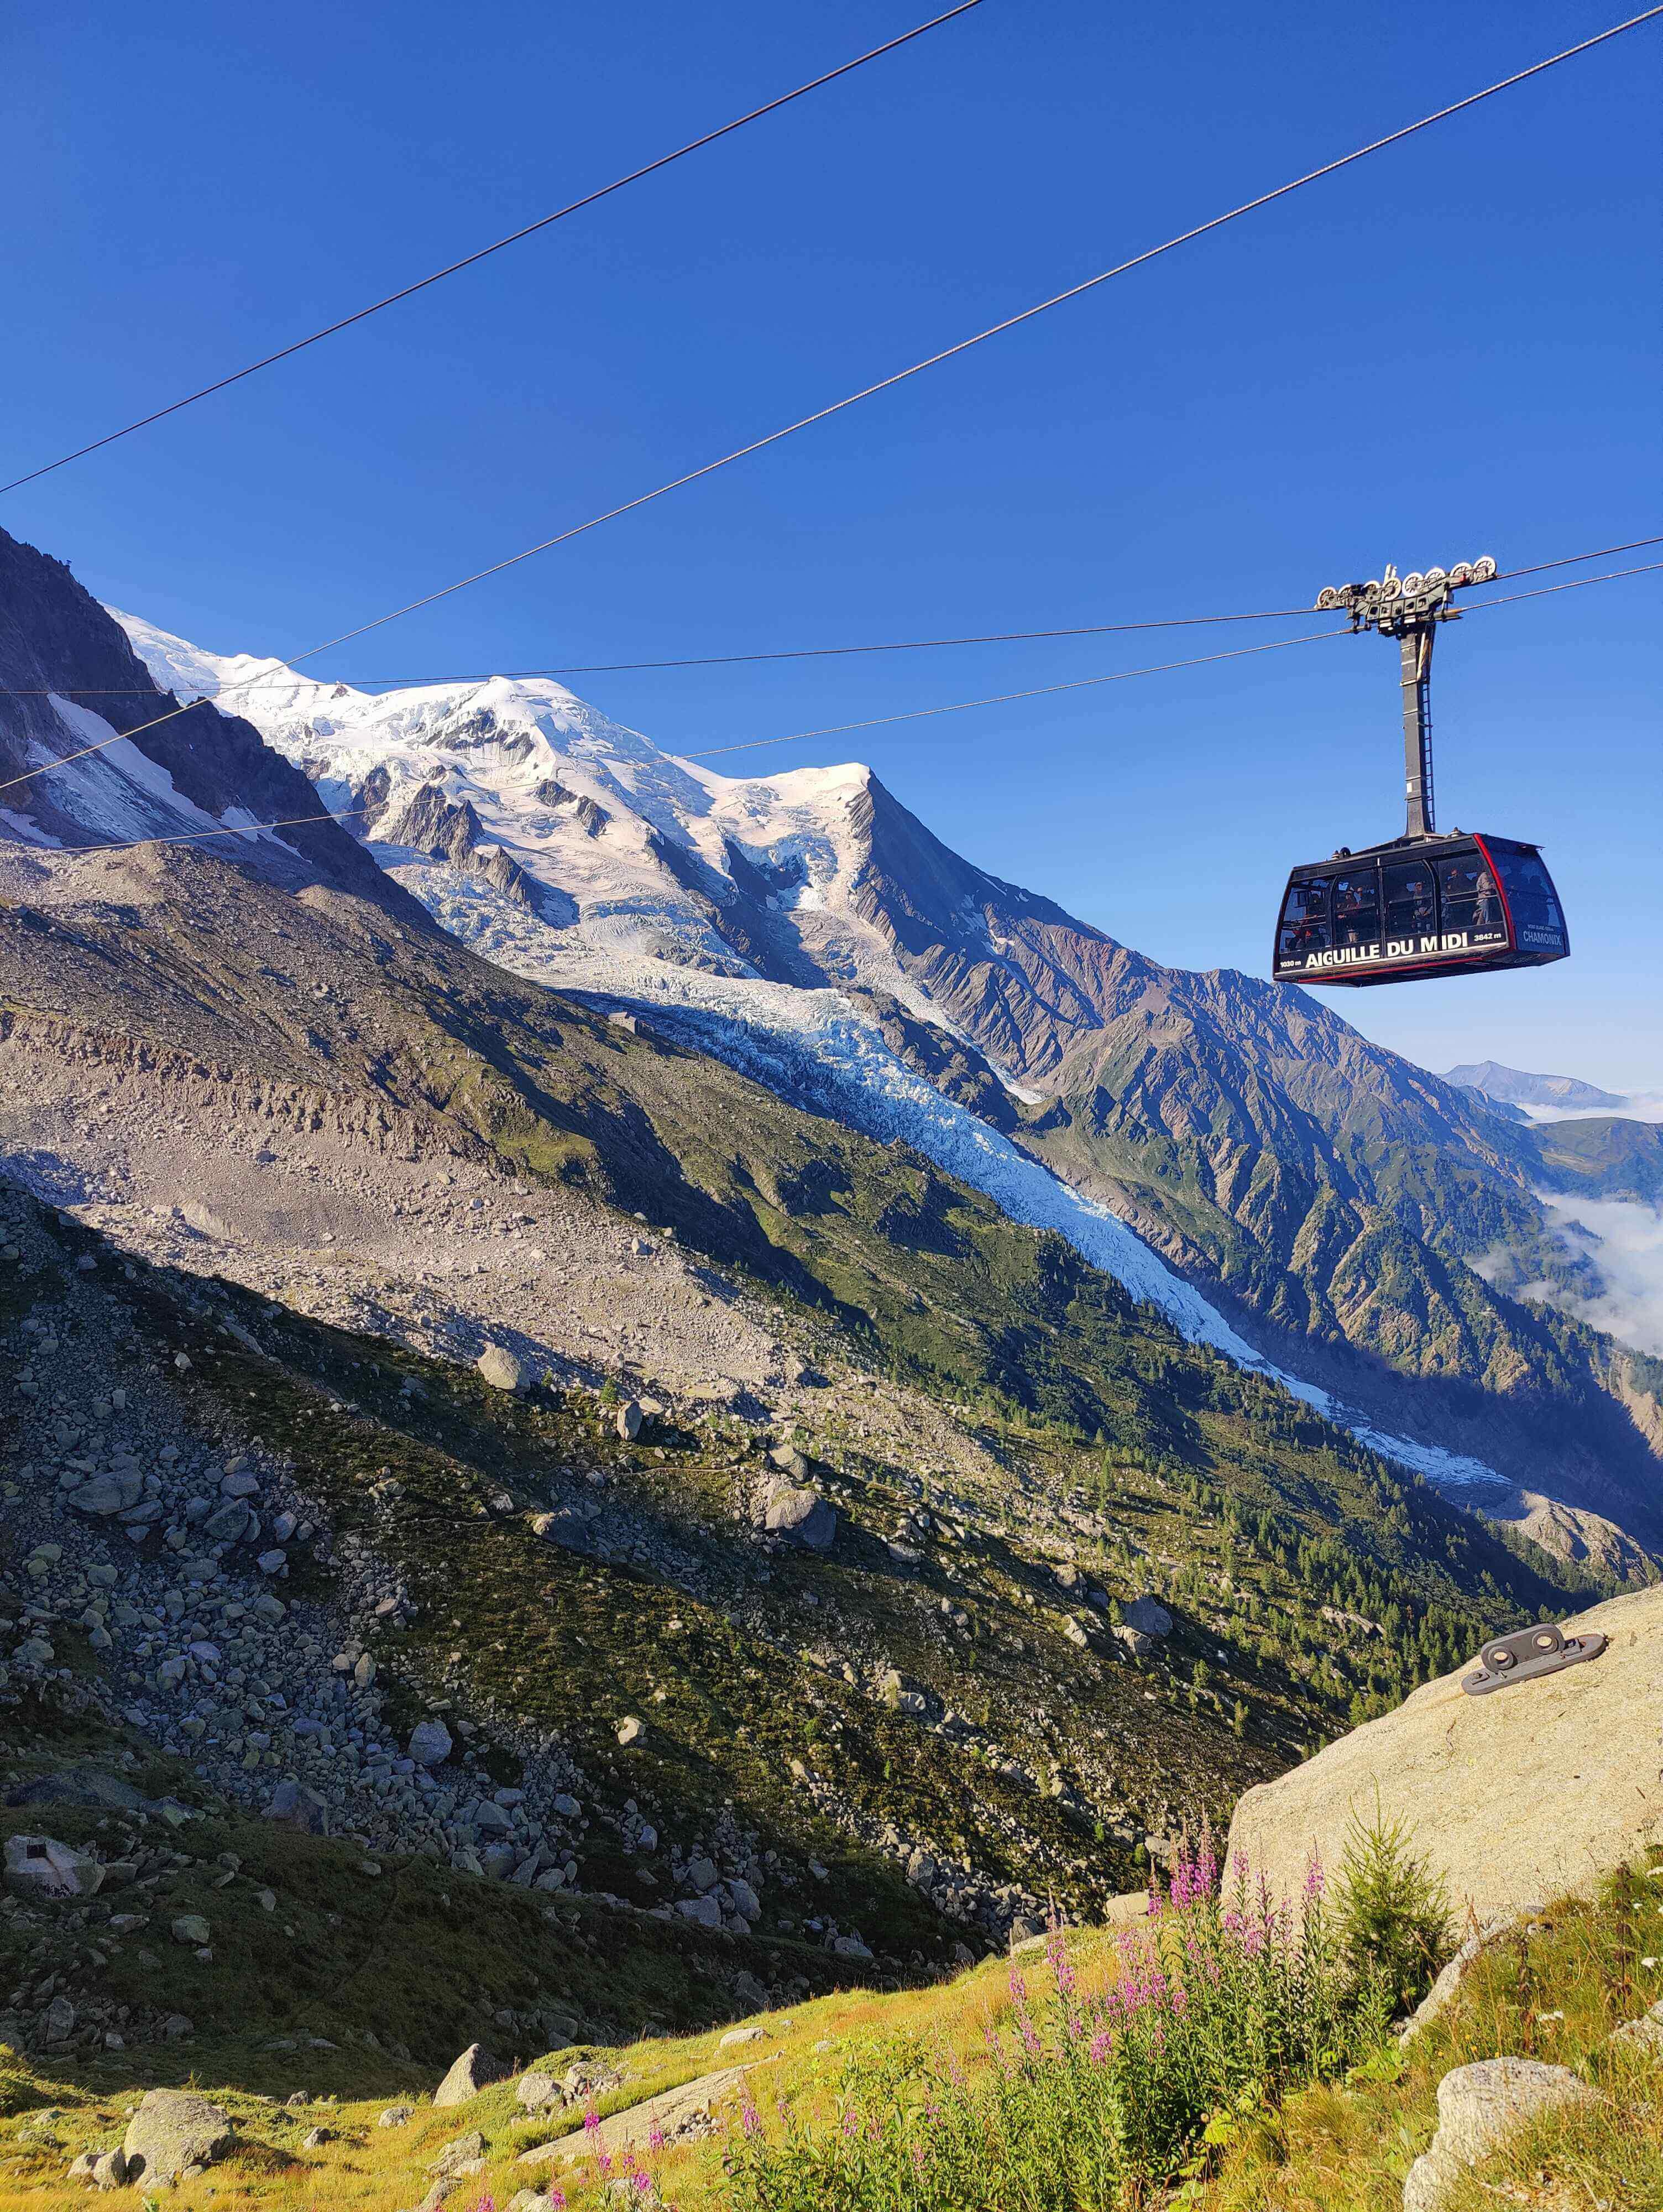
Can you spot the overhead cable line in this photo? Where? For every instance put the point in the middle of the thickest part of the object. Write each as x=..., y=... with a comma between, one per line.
x=708, y=660
x=812, y=652
x=962, y=706
x=993, y=330
x=1003, y=698
x=1571, y=560
x=1122, y=675
x=1546, y=591
x=195, y=837
x=900, y=376
x=481, y=254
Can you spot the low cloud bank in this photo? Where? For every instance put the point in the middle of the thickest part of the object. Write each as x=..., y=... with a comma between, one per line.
x=1624, y=1240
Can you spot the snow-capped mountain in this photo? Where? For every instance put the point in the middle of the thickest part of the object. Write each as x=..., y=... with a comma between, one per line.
x=1231, y=1149
x=600, y=847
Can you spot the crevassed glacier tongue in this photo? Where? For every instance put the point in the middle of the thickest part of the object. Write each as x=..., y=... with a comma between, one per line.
x=815, y=1046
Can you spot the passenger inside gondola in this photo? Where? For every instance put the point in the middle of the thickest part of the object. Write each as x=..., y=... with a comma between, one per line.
x=1356, y=908
x=1305, y=920
x=1411, y=899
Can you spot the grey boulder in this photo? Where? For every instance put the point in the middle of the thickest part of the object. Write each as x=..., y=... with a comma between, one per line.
x=465, y=2155
x=173, y=2129
x=40, y=1866
x=498, y=1366
x=108, y=1494
x=1479, y=2106
x=430, y=1743
x=295, y=1806
x=802, y=1516
x=1645, y=2033
x=476, y=2070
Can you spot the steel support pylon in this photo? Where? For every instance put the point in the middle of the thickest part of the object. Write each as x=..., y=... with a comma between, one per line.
x=1415, y=646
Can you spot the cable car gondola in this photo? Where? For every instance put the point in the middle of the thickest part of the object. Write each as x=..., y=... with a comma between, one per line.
x=1422, y=905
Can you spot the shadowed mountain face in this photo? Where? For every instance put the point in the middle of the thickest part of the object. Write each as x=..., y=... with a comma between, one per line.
x=70, y=682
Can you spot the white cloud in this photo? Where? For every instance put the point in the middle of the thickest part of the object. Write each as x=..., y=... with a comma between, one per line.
x=1624, y=1240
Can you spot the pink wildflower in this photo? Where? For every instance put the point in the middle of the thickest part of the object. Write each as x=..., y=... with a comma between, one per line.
x=1062, y=1968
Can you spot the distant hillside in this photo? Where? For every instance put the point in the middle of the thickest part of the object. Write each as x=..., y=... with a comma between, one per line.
x=1515, y=1088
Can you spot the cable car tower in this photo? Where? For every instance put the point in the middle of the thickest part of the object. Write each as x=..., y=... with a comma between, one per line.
x=1421, y=905
x=1410, y=608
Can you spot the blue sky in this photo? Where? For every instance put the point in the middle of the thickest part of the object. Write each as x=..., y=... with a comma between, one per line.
x=1449, y=349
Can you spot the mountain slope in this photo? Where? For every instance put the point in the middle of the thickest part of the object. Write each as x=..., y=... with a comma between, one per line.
x=1040, y=1436
x=1331, y=1193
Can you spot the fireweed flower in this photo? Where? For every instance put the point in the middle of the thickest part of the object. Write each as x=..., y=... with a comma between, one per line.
x=655, y=2139
x=1100, y=2047
x=591, y=2121
x=750, y=2119
x=1019, y=1987
x=1056, y=1952
x=1315, y=1880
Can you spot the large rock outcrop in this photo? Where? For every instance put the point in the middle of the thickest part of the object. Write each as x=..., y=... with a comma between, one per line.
x=1534, y=1790
x=173, y=2131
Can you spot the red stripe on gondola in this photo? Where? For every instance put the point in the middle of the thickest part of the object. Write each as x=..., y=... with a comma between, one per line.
x=1501, y=888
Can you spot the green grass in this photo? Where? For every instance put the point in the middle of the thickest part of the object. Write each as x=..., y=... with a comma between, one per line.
x=1553, y=1991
